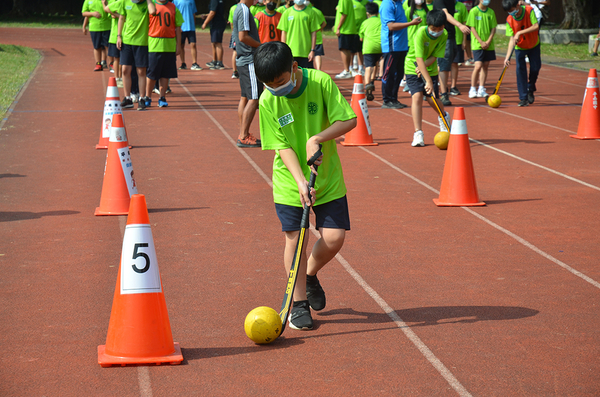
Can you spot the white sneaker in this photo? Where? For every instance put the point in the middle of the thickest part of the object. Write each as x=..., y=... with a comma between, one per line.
x=473, y=92
x=156, y=91
x=442, y=126
x=344, y=75
x=119, y=82
x=134, y=98
x=418, y=139
x=481, y=92
x=403, y=82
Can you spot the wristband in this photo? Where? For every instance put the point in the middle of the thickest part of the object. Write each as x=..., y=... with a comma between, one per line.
x=313, y=50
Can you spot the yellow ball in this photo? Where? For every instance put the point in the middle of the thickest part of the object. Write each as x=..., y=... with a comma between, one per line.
x=441, y=140
x=494, y=101
x=262, y=325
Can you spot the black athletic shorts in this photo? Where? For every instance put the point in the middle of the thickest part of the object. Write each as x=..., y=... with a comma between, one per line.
x=331, y=215
x=484, y=55
x=162, y=65
x=249, y=84
x=350, y=42
x=113, y=51
x=134, y=55
x=303, y=63
x=216, y=35
x=189, y=35
x=319, y=51
x=459, y=57
x=371, y=60
x=415, y=84
x=100, y=39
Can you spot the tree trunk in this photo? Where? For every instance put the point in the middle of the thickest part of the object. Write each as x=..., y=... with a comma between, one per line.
x=577, y=14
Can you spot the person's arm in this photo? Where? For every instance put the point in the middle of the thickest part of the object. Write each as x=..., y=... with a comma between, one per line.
x=245, y=38
x=283, y=36
x=422, y=66
x=209, y=18
x=178, y=35
x=335, y=130
x=509, y=50
x=313, y=43
x=342, y=20
x=290, y=159
x=474, y=31
x=120, y=31
x=489, y=40
x=85, y=25
x=91, y=14
x=450, y=18
x=151, y=7
x=403, y=25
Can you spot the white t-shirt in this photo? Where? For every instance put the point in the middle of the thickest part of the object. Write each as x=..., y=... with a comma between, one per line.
x=537, y=9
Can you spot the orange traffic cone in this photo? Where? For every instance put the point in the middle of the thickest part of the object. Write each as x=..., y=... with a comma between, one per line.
x=360, y=135
x=458, y=182
x=589, y=121
x=119, y=184
x=139, y=331
x=112, y=106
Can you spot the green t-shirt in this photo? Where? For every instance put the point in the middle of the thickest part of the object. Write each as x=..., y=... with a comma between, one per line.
x=288, y=122
x=534, y=20
x=159, y=44
x=255, y=9
x=483, y=22
x=360, y=13
x=370, y=33
x=320, y=20
x=281, y=9
x=424, y=46
x=347, y=8
x=114, y=26
x=101, y=24
x=231, y=11
x=298, y=26
x=429, y=6
x=135, y=30
x=410, y=31
x=379, y=2
x=461, y=14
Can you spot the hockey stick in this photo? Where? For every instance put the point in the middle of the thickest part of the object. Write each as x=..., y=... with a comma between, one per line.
x=434, y=101
x=502, y=75
x=304, y=224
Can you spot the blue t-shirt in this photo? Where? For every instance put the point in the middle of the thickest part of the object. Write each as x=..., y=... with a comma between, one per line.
x=397, y=40
x=187, y=8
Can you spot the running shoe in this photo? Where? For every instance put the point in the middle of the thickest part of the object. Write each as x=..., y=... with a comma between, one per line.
x=418, y=139
x=445, y=99
x=315, y=293
x=162, y=102
x=142, y=104
x=183, y=66
x=195, y=66
x=454, y=91
x=473, y=92
x=235, y=75
x=481, y=92
x=211, y=64
x=98, y=67
x=126, y=103
x=344, y=75
x=300, y=316
x=530, y=97
x=249, y=141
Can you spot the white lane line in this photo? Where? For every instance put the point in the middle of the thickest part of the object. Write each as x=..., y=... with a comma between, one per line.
x=437, y=364
x=144, y=382
x=494, y=225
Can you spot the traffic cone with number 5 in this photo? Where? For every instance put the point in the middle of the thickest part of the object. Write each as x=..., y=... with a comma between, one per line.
x=139, y=331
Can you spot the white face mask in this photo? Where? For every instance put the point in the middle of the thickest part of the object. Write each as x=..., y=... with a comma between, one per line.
x=418, y=2
x=435, y=34
x=135, y=1
x=300, y=2
x=485, y=2
x=286, y=88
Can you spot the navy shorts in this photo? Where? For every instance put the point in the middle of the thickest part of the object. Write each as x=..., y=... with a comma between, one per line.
x=319, y=51
x=445, y=63
x=415, y=84
x=371, y=60
x=189, y=35
x=134, y=55
x=331, y=215
x=484, y=55
x=216, y=35
x=100, y=39
x=303, y=63
x=350, y=42
x=113, y=51
x=460, y=55
x=162, y=65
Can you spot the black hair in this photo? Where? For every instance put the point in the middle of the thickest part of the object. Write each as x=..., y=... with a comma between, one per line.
x=413, y=7
x=271, y=60
x=372, y=8
x=436, y=18
x=508, y=4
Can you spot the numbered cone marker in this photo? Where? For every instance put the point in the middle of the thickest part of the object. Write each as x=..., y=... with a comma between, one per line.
x=119, y=182
x=139, y=331
x=361, y=135
x=589, y=120
x=112, y=106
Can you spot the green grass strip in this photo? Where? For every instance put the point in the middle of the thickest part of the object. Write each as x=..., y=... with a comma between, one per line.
x=18, y=64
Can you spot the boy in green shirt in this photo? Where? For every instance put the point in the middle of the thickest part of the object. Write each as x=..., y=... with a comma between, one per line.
x=482, y=21
x=460, y=14
x=99, y=25
x=299, y=28
x=319, y=50
x=370, y=35
x=300, y=110
x=348, y=40
x=429, y=43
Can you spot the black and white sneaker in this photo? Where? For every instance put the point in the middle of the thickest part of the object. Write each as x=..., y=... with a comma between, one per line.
x=142, y=103
x=218, y=66
x=524, y=102
x=530, y=97
x=126, y=103
x=300, y=316
x=211, y=64
x=315, y=293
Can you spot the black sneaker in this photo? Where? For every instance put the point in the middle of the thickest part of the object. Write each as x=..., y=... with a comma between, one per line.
x=218, y=65
x=183, y=66
x=211, y=64
x=370, y=95
x=530, y=97
x=524, y=102
x=315, y=293
x=399, y=104
x=454, y=91
x=300, y=316
x=126, y=103
x=392, y=105
x=235, y=75
x=445, y=100
x=142, y=103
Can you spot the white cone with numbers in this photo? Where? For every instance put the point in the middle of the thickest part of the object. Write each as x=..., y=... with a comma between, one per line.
x=139, y=331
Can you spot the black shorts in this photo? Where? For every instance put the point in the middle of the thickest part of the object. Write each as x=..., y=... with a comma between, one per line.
x=371, y=60
x=232, y=43
x=303, y=63
x=319, y=51
x=134, y=55
x=189, y=35
x=484, y=55
x=331, y=215
x=445, y=63
x=460, y=55
x=162, y=65
x=350, y=42
x=249, y=84
x=216, y=35
x=113, y=51
x=415, y=85
x=100, y=39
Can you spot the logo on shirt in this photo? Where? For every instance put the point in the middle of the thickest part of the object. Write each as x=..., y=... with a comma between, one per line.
x=285, y=120
x=290, y=18
x=313, y=108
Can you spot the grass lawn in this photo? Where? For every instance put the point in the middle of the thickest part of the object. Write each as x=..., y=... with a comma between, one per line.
x=18, y=63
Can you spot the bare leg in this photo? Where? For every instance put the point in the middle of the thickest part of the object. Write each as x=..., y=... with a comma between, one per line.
x=324, y=250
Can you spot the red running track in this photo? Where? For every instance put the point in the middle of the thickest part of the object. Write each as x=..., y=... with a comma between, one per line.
x=500, y=300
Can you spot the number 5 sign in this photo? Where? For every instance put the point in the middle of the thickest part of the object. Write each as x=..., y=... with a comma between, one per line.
x=139, y=268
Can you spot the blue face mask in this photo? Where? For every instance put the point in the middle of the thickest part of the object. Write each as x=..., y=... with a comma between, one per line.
x=513, y=13
x=485, y=2
x=284, y=89
x=435, y=34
